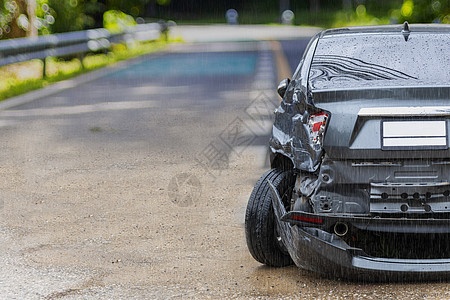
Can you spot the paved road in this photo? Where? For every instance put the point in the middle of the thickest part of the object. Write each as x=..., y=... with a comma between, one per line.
x=293, y=49
x=134, y=184
x=89, y=206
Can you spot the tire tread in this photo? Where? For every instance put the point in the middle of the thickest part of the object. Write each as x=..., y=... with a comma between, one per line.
x=259, y=222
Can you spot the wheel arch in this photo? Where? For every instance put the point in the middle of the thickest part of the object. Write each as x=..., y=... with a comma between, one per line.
x=281, y=161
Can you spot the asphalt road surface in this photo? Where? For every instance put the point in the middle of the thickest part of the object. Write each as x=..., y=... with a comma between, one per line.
x=133, y=183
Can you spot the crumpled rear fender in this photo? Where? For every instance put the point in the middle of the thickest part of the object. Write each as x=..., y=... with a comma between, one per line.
x=290, y=133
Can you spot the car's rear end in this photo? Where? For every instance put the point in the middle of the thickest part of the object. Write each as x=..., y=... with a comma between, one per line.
x=383, y=188
x=381, y=196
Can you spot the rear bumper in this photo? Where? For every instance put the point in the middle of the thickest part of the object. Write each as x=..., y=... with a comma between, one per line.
x=319, y=251
x=313, y=248
x=394, y=225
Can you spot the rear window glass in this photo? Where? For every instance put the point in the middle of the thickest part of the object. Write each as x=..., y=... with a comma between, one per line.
x=381, y=60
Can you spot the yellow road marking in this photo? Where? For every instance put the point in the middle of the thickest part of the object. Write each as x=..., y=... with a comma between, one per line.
x=283, y=69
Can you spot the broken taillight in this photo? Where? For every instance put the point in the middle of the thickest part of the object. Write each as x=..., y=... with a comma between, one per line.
x=317, y=123
x=307, y=219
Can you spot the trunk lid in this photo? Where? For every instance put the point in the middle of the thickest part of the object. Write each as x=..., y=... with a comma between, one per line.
x=388, y=123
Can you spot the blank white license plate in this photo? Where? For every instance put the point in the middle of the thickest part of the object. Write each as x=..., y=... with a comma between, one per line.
x=420, y=134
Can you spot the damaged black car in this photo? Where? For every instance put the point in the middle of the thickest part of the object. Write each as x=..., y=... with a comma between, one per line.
x=359, y=186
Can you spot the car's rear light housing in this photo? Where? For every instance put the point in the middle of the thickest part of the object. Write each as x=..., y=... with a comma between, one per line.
x=317, y=123
x=306, y=219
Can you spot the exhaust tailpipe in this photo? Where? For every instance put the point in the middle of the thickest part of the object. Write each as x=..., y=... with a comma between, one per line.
x=340, y=228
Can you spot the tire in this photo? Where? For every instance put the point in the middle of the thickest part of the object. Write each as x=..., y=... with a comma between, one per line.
x=260, y=226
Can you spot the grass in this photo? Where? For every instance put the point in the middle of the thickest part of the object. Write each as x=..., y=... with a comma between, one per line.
x=24, y=77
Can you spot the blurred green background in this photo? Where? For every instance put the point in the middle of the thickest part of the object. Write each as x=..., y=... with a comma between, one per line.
x=54, y=16
x=21, y=18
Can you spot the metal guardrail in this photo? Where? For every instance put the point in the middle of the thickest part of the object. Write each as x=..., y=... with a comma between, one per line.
x=75, y=43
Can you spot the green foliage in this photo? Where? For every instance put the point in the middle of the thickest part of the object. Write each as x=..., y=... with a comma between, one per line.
x=374, y=12
x=423, y=11
x=357, y=17
x=72, y=15
x=68, y=14
x=45, y=16
x=395, y=11
x=321, y=18
x=117, y=21
x=14, y=10
x=21, y=87
x=136, y=8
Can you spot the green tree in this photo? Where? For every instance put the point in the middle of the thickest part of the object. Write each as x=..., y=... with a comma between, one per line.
x=424, y=11
x=20, y=18
x=73, y=15
x=68, y=15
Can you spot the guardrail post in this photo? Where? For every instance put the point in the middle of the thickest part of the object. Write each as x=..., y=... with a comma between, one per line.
x=164, y=28
x=44, y=67
x=81, y=57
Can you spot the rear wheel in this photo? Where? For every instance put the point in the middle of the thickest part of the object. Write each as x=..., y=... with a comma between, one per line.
x=260, y=226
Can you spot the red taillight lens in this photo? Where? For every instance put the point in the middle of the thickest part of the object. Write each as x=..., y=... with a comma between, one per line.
x=317, y=123
x=307, y=219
